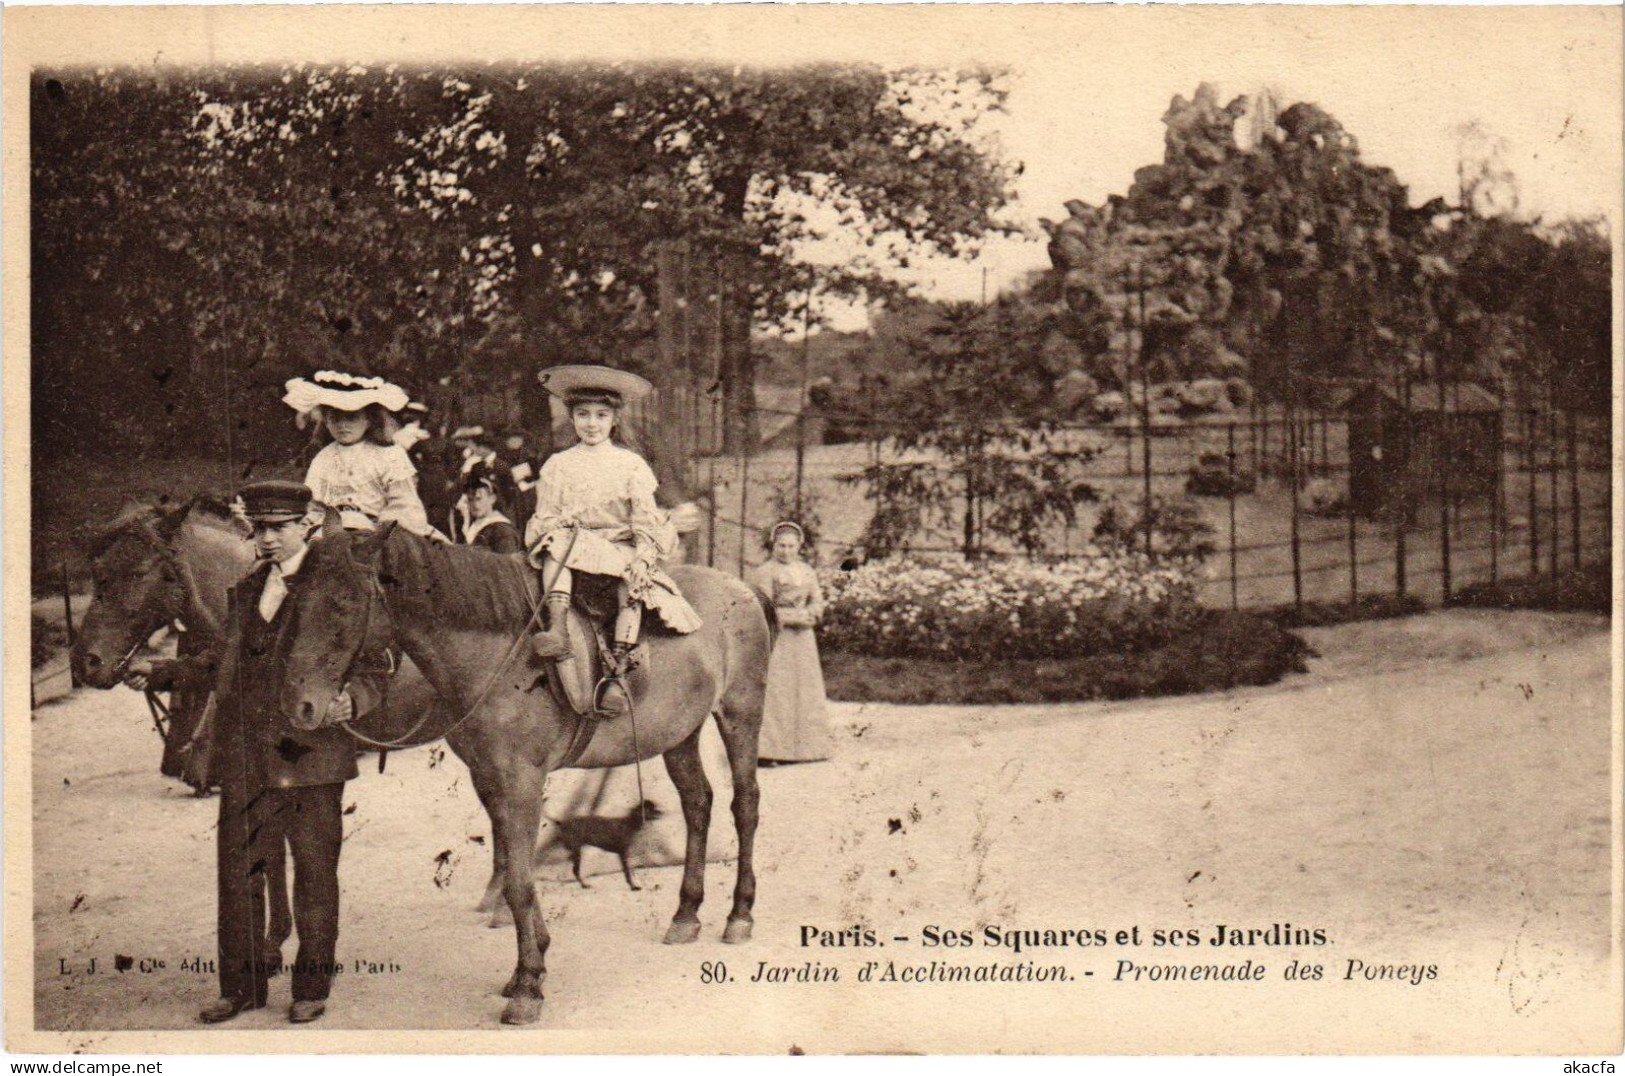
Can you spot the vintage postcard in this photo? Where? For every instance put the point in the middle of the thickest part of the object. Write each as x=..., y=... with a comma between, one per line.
x=813, y=529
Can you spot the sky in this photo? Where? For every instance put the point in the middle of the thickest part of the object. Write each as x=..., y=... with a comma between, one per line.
x=1547, y=81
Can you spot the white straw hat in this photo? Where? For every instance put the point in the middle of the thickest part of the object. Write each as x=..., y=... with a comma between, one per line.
x=561, y=381
x=342, y=392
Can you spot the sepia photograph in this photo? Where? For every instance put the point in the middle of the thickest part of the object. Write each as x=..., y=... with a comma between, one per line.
x=777, y=529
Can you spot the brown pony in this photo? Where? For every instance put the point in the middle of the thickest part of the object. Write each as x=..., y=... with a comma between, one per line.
x=463, y=615
x=151, y=567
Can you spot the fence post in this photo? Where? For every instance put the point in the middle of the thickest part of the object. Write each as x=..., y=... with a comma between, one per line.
x=744, y=502
x=1495, y=502
x=1444, y=446
x=1534, y=504
x=1551, y=467
x=1574, y=487
x=1297, y=551
x=711, y=511
x=1235, y=597
x=67, y=618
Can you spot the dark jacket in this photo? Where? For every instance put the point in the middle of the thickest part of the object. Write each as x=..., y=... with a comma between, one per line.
x=500, y=537
x=246, y=673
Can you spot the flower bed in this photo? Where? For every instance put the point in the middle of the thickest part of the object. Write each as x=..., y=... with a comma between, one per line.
x=1222, y=650
x=947, y=608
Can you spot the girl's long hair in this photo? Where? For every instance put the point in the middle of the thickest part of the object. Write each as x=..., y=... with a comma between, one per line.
x=381, y=426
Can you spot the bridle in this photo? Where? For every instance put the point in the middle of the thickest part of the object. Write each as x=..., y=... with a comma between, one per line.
x=376, y=597
x=173, y=599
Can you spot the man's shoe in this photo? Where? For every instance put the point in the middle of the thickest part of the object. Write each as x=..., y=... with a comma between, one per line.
x=303, y=1012
x=225, y=1009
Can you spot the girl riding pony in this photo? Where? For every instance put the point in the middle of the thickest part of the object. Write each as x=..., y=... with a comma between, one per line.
x=360, y=471
x=596, y=513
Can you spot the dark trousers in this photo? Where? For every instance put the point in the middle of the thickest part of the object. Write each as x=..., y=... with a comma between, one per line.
x=311, y=821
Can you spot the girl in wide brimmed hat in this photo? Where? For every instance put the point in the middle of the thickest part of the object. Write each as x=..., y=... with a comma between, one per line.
x=360, y=470
x=596, y=513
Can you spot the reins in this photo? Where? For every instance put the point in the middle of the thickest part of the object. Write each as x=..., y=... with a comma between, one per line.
x=376, y=594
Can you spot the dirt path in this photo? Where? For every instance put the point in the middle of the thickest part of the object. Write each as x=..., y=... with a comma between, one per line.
x=1454, y=813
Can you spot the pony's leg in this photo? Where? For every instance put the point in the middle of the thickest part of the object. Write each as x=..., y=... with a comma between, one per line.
x=492, y=901
x=688, y=774
x=741, y=728
x=280, y=926
x=518, y=817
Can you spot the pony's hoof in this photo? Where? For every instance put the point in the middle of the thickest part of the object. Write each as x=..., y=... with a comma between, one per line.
x=681, y=933
x=522, y=1010
x=501, y=916
x=737, y=931
x=511, y=985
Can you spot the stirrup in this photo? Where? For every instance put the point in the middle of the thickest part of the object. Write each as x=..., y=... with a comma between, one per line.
x=610, y=687
x=613, y=685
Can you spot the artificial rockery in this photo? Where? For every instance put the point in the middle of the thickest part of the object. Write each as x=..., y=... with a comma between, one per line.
x=1262, y=254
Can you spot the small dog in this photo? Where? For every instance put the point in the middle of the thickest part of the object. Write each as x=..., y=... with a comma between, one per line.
x=612, y=834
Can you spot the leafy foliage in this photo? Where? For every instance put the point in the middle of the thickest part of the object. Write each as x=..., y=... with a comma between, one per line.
x=978, y=394
x=1178, y=534
x=458, y=226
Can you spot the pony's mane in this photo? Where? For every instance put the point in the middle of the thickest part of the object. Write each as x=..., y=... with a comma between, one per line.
x=143, y=521
x=214, y=509
x=140, y=520
x=457, y=586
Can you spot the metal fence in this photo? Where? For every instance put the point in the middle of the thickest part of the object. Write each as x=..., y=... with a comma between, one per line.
x=1295, y=537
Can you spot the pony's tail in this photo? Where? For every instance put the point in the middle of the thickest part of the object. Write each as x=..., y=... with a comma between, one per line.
x=768, y=611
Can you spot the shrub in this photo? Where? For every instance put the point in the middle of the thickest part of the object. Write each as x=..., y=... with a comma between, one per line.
x=1109, y=406
x=1179, y=534
x=1325, y=497
x=1577, y=590
x=949, y=608
x=1325, y=614
x=1211, y=477
x=1218, y=651
x=1204, y=396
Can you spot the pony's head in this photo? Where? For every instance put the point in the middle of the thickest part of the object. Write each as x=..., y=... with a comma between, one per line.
x=337, y=616
x=138, y=589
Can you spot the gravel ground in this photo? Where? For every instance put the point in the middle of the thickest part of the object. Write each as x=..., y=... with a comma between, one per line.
x=1435, y=792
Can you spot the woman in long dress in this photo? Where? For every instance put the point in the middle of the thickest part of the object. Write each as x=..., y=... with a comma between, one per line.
x=795, y=724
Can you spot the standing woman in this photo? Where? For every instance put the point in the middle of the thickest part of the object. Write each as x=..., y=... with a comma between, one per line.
x=360, y=471
x=488, y=523
x=795, y=726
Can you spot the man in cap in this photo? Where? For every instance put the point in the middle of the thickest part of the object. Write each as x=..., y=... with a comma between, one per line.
x=276, y=783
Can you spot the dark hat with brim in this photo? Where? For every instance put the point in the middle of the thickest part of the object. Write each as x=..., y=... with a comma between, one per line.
x=566, y=381
x=481, y=475
x=276, y=501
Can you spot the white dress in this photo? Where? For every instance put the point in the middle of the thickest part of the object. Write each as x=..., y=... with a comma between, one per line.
x=368, y=483
x=795, y=720
x=596, y=513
